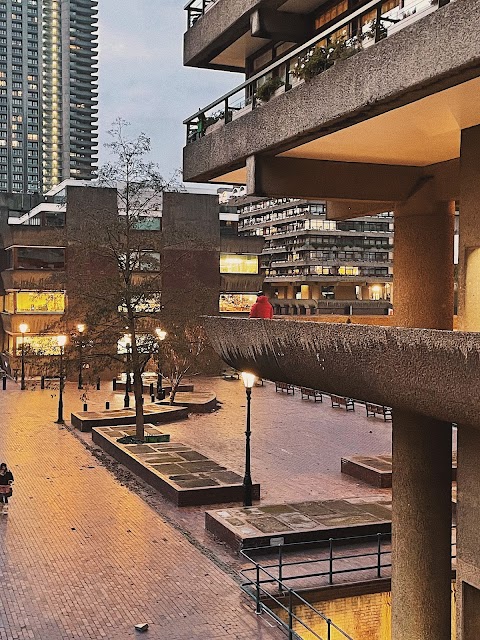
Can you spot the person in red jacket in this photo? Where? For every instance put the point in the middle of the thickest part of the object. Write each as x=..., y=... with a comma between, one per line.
x=262, y=307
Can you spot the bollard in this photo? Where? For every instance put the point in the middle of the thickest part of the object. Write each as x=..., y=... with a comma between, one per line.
x=114, y=384
x=85, y=407
x=152, y=398
x=42, y=382
x=4, y=383
x=107, y=405
x=98, y=384
x=151, y=388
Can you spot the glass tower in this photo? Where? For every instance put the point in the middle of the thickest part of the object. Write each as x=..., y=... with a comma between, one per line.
x=48, y=92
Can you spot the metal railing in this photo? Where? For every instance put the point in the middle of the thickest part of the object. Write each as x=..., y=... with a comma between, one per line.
x=244, y=97
x=195, y=10
x=269, y=589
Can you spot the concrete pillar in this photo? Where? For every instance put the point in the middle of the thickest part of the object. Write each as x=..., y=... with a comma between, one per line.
x=345, y=291
x=316, y=292
x=468, y=515
x=422, y=447
x=469, y=245
x=422, y=514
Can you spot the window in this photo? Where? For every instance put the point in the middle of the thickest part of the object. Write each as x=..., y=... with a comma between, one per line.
x=236, y=302
x=40, y=258
x=40, y=302
x=238, y=263
x=348, y=271
x=326, y=16
x=38, y=345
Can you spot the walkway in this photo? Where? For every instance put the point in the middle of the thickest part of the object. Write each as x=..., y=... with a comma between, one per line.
x=82, y=557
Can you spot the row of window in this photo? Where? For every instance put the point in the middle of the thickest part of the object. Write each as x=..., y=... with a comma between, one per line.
x=326, y=270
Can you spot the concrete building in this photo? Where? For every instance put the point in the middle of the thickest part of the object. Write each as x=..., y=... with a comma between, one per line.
x=372, y=106
x=314, y=265
x=48, y=97
x=41, y=261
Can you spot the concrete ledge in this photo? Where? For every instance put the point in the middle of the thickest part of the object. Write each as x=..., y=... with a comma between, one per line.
x=197, y=402
x=153, y=413
x=180, y=474
x=377, y=470
x=298, y=522
x=188, y=388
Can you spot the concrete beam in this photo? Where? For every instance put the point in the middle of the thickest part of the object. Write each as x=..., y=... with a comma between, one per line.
x=430, y=372
x=275, y=25
x=328, y=180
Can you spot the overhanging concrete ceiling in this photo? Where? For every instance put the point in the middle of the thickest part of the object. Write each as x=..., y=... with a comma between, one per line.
x=236, y=54
x=420, y=133
x=434, y=373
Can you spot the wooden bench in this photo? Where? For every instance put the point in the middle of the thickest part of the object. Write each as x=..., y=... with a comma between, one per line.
x=230, y=374
x=378, y=409
x=311, y=393
x=284, y=386
x=340, y=401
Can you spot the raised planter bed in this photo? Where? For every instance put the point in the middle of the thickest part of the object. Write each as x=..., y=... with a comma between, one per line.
x=182, y=475
x=262, y=526
x=197, y=402
x=153, y=413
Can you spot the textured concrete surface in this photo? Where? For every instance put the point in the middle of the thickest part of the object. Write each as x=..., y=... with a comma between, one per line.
x=435, y=373
x=442, y=41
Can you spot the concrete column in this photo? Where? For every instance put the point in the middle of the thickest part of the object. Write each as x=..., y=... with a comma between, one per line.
x=469, y=245
x=423, y=262
x=345, y=291
x=422, y=514
x=468, y=516
x=422, y=447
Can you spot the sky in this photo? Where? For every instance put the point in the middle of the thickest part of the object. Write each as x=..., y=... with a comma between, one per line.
x=142, y=78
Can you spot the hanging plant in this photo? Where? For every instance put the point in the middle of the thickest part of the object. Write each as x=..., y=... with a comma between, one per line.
x=268, y=88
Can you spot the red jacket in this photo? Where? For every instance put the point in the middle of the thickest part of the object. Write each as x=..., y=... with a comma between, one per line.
x=262, y=308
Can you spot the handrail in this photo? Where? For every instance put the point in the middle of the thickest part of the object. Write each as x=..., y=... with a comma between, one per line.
x=254, y=587
x=289, y=57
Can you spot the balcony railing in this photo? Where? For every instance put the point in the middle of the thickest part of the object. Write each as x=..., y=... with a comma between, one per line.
x=361, y=32
x=195, y=10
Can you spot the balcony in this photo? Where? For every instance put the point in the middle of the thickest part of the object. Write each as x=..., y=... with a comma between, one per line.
x=392, y=80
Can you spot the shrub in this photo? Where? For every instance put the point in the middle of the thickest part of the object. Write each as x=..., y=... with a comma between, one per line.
x=268, y=88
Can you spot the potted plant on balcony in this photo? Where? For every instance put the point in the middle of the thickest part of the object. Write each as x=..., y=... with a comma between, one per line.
x=268, y=88
x=312, y=63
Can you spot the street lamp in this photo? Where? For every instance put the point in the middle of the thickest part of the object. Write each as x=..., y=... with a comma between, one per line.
x=61, y=341
x=248, y=381
x=80, y=329
x=126, y=400
x=23, y=330
x=161, y=335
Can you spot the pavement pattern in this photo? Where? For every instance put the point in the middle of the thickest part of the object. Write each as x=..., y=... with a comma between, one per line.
x=82, y=556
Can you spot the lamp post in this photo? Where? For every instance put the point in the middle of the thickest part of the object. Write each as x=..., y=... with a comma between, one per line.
x=248, y=381
x=23, y=330
x=62, y=341
x=80, y=329
x=126, y=400
x=161, y=335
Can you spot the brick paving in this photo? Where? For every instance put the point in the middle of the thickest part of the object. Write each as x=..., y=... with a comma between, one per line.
x=83, y=557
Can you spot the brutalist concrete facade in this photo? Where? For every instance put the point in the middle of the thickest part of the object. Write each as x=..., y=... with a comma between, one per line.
x=394, y=126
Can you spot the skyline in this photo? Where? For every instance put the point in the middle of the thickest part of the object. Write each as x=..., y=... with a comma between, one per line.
x=146, y=84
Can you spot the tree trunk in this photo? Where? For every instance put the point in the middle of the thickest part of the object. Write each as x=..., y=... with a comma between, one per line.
x=138, y=393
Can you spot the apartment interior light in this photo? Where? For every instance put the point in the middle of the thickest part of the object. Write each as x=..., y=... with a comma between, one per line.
x=62, y=341
x=80, y=328
x=161, y=334
x=23, y=327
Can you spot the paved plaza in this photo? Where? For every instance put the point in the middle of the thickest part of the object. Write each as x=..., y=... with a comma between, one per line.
x=87, y=552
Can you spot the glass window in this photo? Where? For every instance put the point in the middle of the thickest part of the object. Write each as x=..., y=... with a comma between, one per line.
x=40, y=302
x=327, y=15
x=148, y=223
x=348, y=271
x=236, y=302
x=38, y=345
x=40, y=258
x=238, y=263
x=9, y=302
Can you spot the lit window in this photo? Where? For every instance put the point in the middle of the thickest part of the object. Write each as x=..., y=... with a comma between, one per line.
x=236, y=302
x=40, y=302
x=348, y=271
x=238, y=263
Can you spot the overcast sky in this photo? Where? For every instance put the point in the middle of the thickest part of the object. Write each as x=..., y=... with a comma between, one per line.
x=142, y=79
